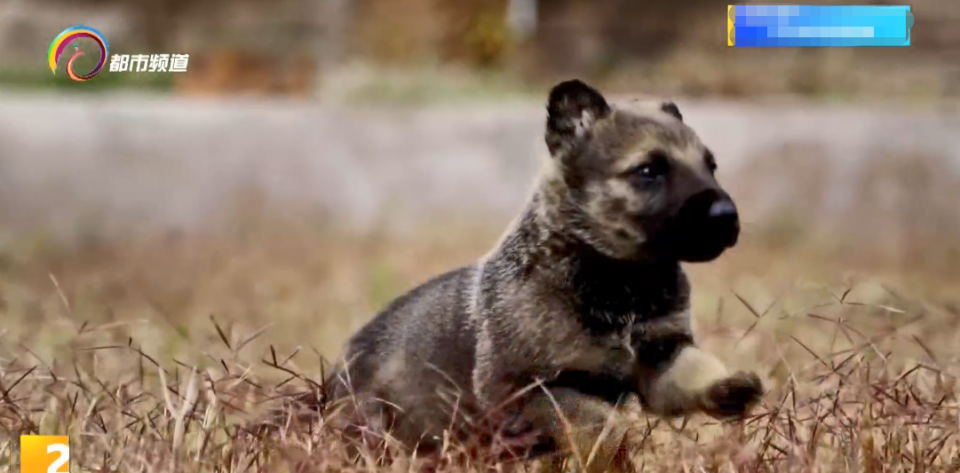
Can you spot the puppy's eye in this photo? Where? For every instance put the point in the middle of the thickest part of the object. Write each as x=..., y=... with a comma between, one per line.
x=657, y=166
x=710, y=162
x=648, y=171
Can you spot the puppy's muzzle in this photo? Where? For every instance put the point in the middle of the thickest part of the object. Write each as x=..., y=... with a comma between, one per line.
x=706, y=225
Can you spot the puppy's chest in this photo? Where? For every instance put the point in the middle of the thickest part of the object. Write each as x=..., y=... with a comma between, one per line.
x=608, y=296
x=614, y=345
x=617, y=310
x=601, y=364
x=613, y=333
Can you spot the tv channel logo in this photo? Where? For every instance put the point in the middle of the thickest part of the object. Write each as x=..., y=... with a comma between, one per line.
x=44, y=454
x=69, y=40
x=71, y=36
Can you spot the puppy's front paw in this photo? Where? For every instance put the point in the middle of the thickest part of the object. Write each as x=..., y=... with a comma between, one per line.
x=733, y=396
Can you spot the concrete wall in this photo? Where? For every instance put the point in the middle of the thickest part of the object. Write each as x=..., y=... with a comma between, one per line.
x=160, y=162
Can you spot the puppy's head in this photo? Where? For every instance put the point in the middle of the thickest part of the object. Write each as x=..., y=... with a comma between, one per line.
x=633, y=180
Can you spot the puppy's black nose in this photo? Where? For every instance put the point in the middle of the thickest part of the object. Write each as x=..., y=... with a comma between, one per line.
x=706, y=225
x=722, y=218
x=723, y=209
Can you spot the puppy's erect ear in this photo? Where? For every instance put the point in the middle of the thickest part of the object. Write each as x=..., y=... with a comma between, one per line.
x=670, y=108
x=572, y=108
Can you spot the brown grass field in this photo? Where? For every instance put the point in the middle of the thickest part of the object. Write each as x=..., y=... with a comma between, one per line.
x=178, y=352
x=166, y=353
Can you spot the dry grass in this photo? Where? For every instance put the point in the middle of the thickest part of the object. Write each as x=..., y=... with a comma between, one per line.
x=161, y=354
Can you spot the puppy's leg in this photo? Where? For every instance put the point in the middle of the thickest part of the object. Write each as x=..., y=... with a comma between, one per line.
x=587, y=430
x=697, y=381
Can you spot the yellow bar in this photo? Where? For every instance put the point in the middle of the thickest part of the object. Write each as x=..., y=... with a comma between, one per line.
x=731, y=41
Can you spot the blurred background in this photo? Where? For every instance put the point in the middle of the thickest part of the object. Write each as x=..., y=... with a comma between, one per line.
x=320, y=157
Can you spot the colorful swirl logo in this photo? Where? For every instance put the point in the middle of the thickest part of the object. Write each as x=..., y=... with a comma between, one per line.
x=70, y=36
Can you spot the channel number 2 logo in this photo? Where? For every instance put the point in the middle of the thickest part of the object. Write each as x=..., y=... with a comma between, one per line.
x=44, y=454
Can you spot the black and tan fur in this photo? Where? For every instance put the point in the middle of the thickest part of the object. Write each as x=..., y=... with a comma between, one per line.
x=582, y=308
